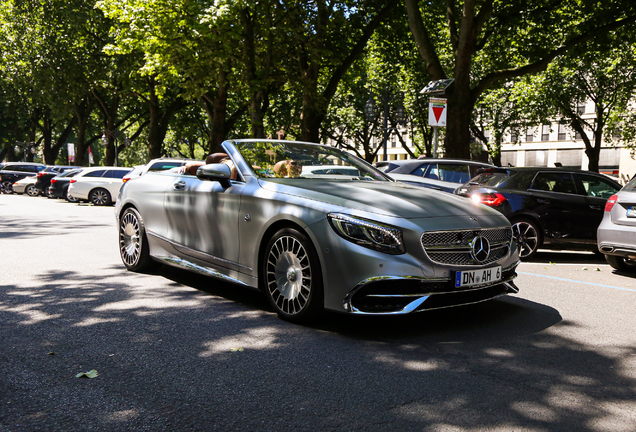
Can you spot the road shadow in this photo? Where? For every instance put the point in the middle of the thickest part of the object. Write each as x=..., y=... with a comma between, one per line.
x=179, y=351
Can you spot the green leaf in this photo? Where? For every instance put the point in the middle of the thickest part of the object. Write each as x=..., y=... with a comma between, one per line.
x=90, y=374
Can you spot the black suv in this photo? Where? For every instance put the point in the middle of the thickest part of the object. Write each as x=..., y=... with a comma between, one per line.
x=11, y=172
x=554, y=208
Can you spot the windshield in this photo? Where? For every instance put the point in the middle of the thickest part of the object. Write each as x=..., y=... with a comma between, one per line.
x=631, y=185
x=275, y=159
x=491, y=179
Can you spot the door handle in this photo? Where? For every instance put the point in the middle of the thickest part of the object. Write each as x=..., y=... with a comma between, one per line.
x=543, y=201
x=180, y=185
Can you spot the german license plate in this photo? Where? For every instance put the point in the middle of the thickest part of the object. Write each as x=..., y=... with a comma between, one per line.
x=631, y=212
x=477, y=277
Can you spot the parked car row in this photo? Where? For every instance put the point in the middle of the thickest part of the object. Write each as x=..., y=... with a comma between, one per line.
x=97, y=185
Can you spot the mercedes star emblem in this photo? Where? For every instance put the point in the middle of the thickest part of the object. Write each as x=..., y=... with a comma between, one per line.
x=479, y=249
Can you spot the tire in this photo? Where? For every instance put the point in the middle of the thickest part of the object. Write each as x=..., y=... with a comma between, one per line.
x=49, y=194
x=100, y=197
x=133, y=243
x=31, y=191
x=68, y=197
x=620, y=263
x=7, y=187
x=528, y=237
x=292, y=277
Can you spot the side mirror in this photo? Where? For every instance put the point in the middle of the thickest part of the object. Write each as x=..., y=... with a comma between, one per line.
x=215, y=172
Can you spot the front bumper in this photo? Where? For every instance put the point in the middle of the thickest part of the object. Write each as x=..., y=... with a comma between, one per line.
x=394, y=295
x=362, y=281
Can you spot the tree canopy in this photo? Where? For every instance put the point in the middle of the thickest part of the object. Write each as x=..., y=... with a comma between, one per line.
x=179, y=77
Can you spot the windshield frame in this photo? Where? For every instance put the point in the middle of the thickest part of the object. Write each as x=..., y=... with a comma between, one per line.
x=298, y=151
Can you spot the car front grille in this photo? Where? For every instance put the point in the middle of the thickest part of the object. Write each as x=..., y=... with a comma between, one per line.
x=453, y=247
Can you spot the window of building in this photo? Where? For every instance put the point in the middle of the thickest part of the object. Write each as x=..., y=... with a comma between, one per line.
x=509, y=158
x=537, y=158
x=530, y=134
x=562, y=132
x=580, y=108
x=545, y=132
x=514, y=135
x=609, y=157
x=570, y=158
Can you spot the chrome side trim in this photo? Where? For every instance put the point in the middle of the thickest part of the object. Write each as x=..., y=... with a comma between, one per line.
x=211, y=257
x=178, y=262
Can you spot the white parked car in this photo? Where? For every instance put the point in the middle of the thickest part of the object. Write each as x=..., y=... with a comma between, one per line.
x=27, y=186
x=98, y=185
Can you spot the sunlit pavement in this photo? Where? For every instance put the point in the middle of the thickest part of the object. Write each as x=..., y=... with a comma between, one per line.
x=175, y=351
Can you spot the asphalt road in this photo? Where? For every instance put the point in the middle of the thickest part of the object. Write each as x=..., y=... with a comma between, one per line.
x=180, y=352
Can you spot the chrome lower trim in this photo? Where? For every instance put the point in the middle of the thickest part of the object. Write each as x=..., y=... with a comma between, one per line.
x=208, y=256
x=178, y=262
x=421, y=298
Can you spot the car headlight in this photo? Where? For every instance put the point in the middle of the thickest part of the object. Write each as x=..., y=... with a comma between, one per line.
x=369, y=234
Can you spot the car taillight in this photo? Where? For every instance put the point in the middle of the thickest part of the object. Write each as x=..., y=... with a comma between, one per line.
x=39, y=174
x=125, y=179
x=53, y=181
x=73, y=181
x=610, y=203
x=492, y=199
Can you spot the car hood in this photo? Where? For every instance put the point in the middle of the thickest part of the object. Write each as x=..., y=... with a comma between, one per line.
x=386, y=198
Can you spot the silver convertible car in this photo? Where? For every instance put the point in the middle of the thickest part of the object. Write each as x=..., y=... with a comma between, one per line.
x=346, y=239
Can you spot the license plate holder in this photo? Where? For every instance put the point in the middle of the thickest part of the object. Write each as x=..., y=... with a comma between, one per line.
x=631, y=212
x=467, y=278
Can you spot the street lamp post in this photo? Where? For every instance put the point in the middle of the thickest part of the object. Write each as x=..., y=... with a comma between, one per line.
x=25, y=146
x=386, y=98
x=115, y=134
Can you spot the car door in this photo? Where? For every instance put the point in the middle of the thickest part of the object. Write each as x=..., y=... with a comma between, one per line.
x=560, y=208
x=202, y=218
x=596, y=190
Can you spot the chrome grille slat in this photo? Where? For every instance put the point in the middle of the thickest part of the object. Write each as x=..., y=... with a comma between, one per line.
x=452, y=247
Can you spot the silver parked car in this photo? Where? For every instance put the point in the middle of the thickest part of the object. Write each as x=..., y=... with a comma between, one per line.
x=360, y=244
x=616, y=235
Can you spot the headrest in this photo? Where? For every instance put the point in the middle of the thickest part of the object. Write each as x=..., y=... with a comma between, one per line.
x=215, y=158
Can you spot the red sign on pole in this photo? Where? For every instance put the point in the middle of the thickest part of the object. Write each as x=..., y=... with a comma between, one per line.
x=437, y=112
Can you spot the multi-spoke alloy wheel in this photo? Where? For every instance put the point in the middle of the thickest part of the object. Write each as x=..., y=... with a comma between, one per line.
x=133, y=243
x=32, y=191
x=293, y=282
x=99, y=197
x=527, y=236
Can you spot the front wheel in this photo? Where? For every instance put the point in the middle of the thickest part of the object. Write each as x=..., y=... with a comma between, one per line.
x=292, y=276
x=100, y=197
x=133, y=243
x=620, y=263
x=528, y=237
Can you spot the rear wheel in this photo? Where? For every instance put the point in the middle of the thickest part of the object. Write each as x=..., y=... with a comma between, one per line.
x=68, y=197
x=100, y=197
x=32, y=191
x=7, y=187
x=528, y=237
x=133, y=243
x=620, y=263
x=292, y=276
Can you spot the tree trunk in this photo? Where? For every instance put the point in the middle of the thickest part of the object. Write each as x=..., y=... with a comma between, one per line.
x=82, y=113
